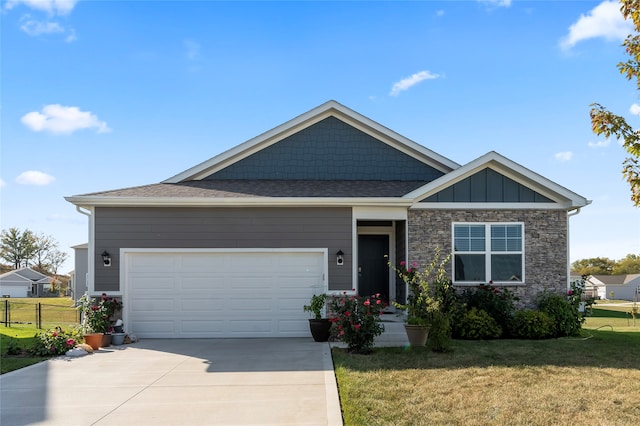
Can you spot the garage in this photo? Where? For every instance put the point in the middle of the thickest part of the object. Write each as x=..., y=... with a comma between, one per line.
x=220, y=293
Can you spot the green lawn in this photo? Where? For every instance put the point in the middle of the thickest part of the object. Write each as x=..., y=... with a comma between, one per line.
x=594, y=379
x=19, y=337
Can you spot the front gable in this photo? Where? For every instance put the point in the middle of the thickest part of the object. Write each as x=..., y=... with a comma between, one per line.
x=494, y=182
x=330, y=149
x=330, y=142
x=487, y=186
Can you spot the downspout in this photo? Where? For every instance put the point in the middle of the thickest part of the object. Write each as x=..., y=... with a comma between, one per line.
x=569, y=215
x=90, y=249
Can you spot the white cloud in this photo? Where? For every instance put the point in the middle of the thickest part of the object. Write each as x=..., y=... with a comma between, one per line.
x=411, y=81
x=564, y=156
x=33, y=177
x=498, y=3
x=52, y=7
x=635, y=109
x=600, y=144
x=59, y=119
x=440, y=12
x=605, y=20
x=35, y=28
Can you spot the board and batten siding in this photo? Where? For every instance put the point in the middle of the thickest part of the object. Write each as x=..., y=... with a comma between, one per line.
x=262, y=227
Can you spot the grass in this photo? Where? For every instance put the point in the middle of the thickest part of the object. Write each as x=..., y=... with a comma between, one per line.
x=20, y=336
x=593, y=379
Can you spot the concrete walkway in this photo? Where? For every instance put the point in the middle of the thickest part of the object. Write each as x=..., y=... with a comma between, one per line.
x=179, y=382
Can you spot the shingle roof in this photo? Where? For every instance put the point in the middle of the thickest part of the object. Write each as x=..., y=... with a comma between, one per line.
x=266, y=188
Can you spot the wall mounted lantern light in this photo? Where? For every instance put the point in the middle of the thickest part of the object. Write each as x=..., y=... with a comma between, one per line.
x=106, y=258
x=340, y=258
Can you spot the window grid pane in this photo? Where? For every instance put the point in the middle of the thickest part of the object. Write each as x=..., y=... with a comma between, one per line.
x=469, y=238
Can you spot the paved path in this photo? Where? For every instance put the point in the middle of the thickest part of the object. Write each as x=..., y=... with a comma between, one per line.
x=179, y=382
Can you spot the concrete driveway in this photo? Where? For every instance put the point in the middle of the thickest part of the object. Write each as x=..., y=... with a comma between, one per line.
x=179, y=382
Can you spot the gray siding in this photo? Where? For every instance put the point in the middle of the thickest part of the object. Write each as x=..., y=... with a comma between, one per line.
x=330, y=150
x=117, y=228
x=487, y=186
x=81, y=263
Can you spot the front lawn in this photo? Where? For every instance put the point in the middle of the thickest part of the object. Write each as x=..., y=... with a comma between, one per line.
x=594, y=379
x=14, y=344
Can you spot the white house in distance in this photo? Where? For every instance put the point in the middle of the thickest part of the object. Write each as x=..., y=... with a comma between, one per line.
x=24, y=282
x=619, y=287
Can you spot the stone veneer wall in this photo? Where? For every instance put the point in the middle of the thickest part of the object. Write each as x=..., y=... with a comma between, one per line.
x=545, y=244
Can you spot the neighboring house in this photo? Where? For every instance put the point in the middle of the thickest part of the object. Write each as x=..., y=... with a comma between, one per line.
x=618, y=287
x=24, y=282
x=235, y=246
x=78, y=281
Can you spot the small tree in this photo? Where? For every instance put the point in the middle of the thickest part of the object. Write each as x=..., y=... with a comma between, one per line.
x=604, y=122
x=17, y=247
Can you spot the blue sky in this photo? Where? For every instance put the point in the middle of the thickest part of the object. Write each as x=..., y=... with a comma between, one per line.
x=100, y=95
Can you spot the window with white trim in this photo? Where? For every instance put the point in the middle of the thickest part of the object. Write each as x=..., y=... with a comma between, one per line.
x=485, y=252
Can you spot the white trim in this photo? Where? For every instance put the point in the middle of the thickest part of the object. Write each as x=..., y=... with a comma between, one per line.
x=237, y=202
x=508, y=168
x=490, y=206
x=487, y=252
x=124, y=262
x=327, y=109
x=379, y=213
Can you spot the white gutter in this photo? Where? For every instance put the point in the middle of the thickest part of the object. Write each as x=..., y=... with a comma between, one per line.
x=569, y=215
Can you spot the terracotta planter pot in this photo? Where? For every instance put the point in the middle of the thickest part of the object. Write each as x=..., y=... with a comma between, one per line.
x=106, y=340
x=94, y=340
x=417, y=334
x=320, y=329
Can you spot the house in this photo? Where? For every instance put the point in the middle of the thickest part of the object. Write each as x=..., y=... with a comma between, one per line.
x=618, y=287
x=236, y=245
x=24, y=282
x=78, y=281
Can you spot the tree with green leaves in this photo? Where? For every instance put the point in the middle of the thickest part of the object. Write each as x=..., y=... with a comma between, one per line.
x=605, y=266
x=26, y=248
x=17, y=247
x=629, y=265
x=604, y=122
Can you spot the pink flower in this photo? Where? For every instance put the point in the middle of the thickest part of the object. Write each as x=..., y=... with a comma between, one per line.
x=71, y=342
x=570, y=292
x=357, y=326
x=54, y=334
x=347, y=313
x=342, y=333
x=403, y=263
x=104, y=296
x=378, y=302
x=377, y=294
x=367, y=302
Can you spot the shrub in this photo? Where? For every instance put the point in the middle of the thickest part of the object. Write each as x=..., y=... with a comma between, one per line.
x=530, y=324
x=56, y=341
x=566, y=316
x=497, y=302
x=356, y=321
x=478, y=324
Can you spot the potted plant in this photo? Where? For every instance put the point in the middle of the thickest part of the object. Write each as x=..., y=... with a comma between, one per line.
x=97, y=318
x=429, y=300
x=320, y=327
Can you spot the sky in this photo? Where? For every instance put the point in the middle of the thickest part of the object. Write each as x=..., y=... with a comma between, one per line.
x=99, y=95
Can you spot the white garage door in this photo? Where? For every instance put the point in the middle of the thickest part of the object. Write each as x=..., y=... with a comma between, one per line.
x=221, y=294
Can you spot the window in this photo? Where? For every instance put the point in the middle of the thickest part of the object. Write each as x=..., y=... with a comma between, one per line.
x=488, y=252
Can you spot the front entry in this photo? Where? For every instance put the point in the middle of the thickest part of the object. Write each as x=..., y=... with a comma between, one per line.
x=373, y=271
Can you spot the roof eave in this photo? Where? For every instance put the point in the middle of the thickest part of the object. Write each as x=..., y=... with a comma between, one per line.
x=236, y=202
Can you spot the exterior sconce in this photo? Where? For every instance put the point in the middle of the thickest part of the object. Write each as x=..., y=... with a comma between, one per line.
x=339, y=258
x=106, y=258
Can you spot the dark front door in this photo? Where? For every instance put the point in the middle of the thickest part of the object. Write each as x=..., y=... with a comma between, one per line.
x=373, y=271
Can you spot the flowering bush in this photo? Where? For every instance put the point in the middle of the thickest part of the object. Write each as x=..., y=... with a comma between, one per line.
x=356, y=321
x=56, y=341
x=430, y=291
x=97, y=314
